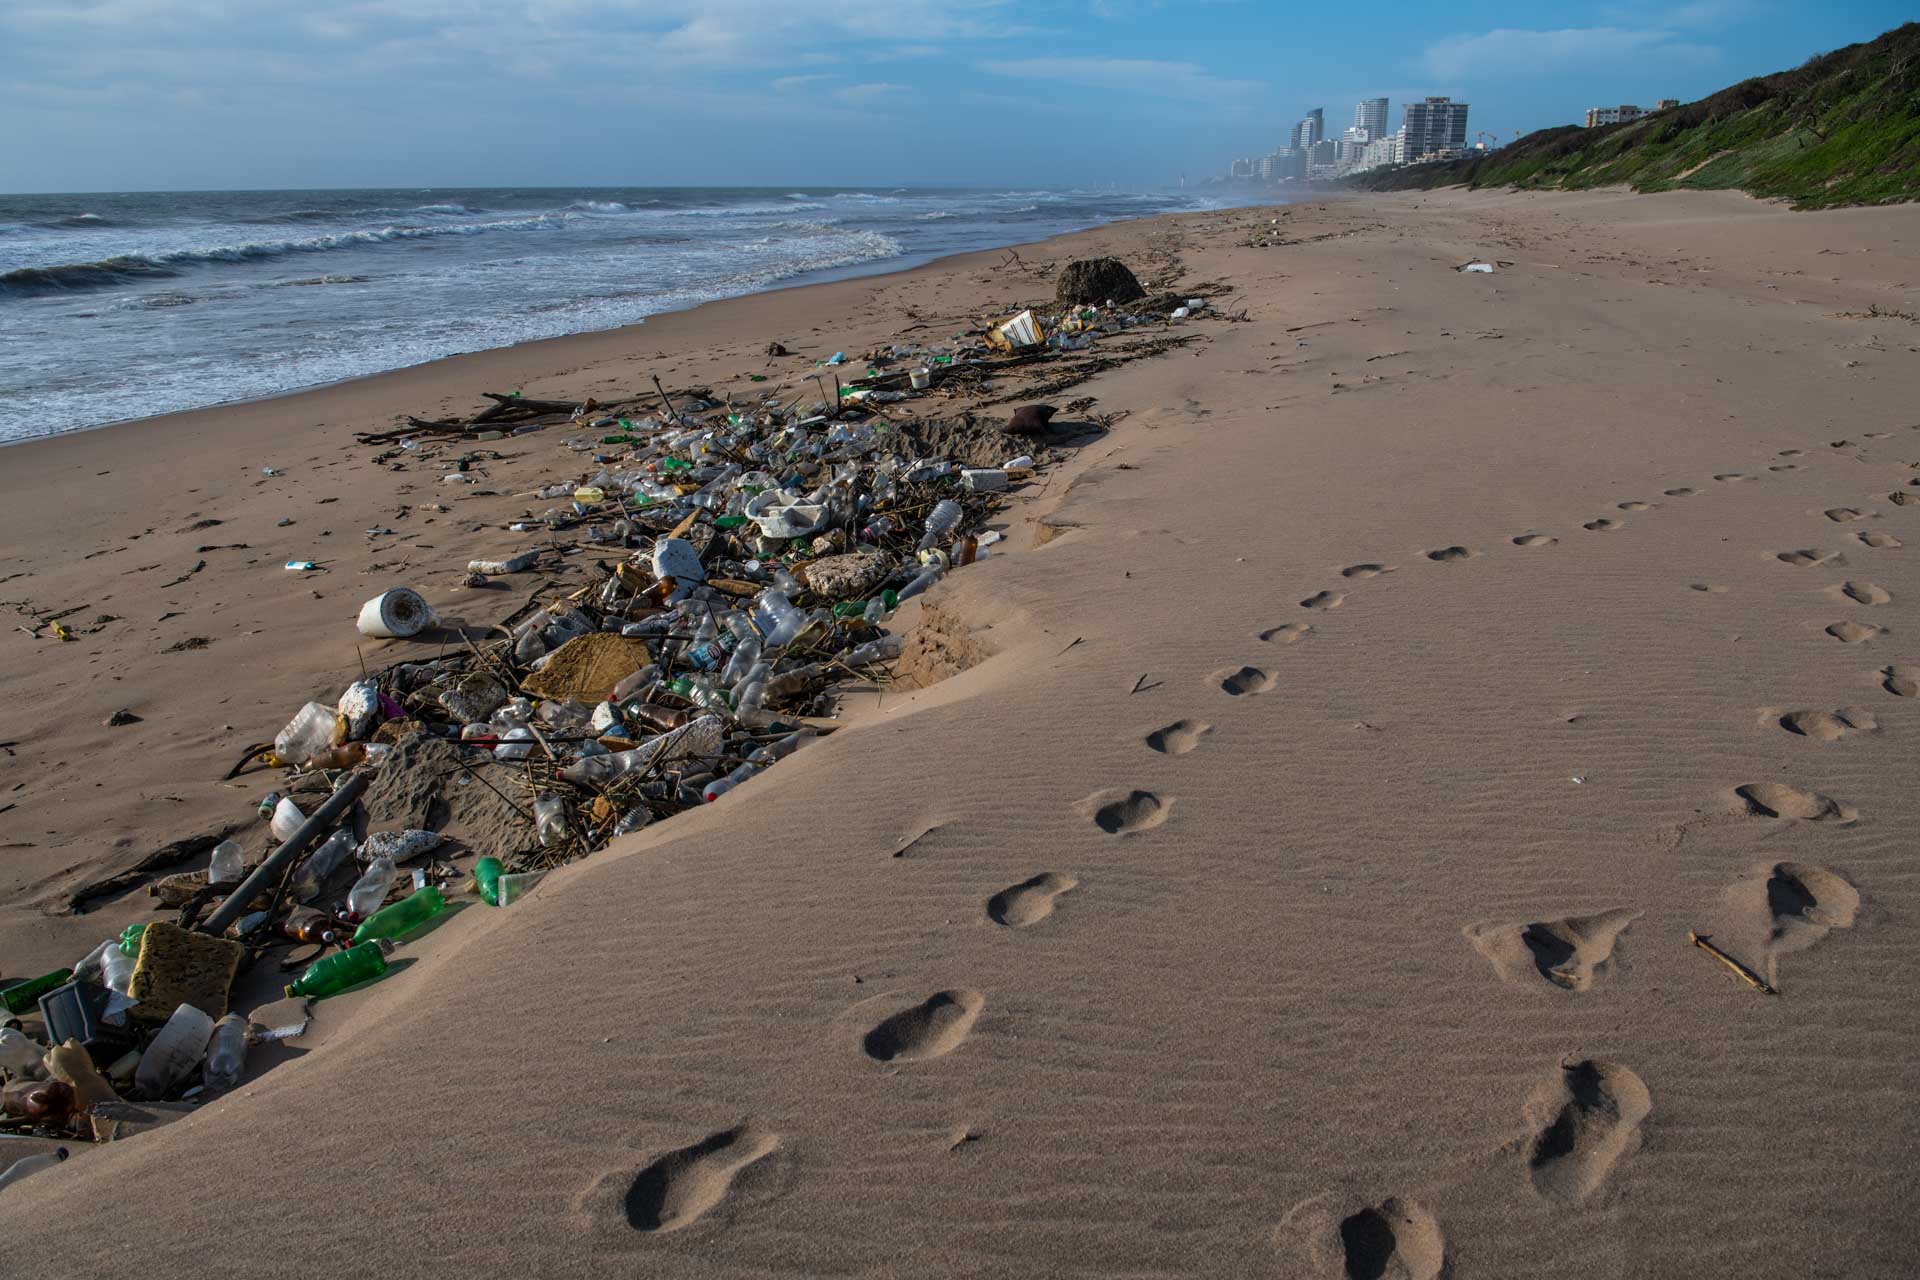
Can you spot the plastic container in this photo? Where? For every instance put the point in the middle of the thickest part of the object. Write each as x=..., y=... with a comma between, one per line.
x=941, y=521
x=920, y=379
x=486, y=875
x=341, y=970
x=174, y=1053
x=310, y=732
x=229, y=863
x=394, y=614
x=320, y=865
x=402, y=918
x=287, y=817
x=226, y=1053
x=515, y=885
x=370, y=890
x=550, y=820
x=20, y=1057
x=26, y=995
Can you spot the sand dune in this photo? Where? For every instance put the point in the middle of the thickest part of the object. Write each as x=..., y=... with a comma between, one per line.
x=1249, y=935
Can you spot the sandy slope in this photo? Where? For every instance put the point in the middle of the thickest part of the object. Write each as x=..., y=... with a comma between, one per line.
x=1378, y=966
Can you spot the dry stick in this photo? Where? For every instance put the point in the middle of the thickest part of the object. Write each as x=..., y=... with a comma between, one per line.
x=1740, y=971
x=672, y=416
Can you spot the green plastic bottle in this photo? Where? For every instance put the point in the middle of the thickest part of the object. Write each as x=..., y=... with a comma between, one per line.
x=402, y=918
x=25, y=996
x=487, y=873
x=335, y=973
x=130, y=939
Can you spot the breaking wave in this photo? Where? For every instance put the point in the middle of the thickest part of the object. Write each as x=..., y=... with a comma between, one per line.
x=130, y=268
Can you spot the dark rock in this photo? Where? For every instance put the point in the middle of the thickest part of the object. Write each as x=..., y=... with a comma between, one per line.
x=120, y=717
x=1093, y=281
x=1031, y=419
x=775, y=349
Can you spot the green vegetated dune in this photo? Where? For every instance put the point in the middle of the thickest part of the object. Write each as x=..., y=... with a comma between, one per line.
x=1844, y=128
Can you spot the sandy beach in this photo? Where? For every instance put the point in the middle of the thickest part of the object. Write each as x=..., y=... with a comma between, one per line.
x=1294, y=875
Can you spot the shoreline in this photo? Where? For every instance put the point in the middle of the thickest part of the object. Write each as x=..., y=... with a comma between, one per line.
x=880, y=269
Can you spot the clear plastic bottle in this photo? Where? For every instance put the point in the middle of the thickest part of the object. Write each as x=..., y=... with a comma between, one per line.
x=287, y=819
x=550, y=819
x=745, y=657
x=226, y=1053
x=370, y=890
x=228, y=864
x=941, y=521
x=117, y=969
x=884, y=649
x=320, y=865
x=720, y=786
x=928, y=576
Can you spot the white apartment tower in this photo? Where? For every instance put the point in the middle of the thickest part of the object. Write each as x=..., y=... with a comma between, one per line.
x=1371, y=115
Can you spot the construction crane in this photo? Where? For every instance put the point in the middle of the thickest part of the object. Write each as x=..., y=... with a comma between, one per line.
x=1489, y=139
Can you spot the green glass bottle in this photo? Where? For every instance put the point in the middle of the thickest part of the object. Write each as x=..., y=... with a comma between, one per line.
x=486, y=874
x=402, y=918
x=335, y=973
x=26, y=995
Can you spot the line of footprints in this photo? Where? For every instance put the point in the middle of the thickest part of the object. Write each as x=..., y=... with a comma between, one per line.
x=1583, y=1118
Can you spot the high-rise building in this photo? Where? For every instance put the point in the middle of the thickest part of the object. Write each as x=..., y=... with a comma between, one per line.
x=1371, y=115
x=1310, y=129
x=1436, y=127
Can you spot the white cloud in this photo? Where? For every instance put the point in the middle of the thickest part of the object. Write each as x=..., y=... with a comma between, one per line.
x=1514, y=51
x=1185, y=80
x=858, y=94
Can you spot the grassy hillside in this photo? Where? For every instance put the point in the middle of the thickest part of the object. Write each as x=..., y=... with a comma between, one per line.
x=1842, y=129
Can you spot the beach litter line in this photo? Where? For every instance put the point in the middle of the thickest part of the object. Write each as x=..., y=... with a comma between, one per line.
x=747, y=558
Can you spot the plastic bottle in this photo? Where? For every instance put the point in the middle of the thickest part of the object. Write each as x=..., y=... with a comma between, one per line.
x=335, y=973
x=720, y=786
x=20, y=1057
x=27, y=1166
x=117, y=970
x=130, y=939
x=486, y=875
x=370, y=890
x=928, y=576
x=308, y=733
x=228, y=864
x=882, y=650
x=306, y=924
x=226, y=1053
x=25, y=996
x=287, y=817
x=174, y=1053
x=45, y=1101
x=320, y=865
x=516, y=885
x=743, y=660
x=550, y=819
x=402, y=918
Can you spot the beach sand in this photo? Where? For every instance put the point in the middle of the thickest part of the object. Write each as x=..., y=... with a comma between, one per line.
x=1299, y=884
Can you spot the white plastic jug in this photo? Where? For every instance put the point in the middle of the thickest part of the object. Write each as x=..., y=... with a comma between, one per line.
x=174, y=1053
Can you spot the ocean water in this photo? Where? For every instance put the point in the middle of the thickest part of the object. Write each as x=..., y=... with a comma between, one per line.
x=120, y=306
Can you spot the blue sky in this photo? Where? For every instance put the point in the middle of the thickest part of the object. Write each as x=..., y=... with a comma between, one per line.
x=192, y=94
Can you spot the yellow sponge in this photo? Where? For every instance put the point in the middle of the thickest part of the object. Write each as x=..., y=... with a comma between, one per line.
x=177, y=966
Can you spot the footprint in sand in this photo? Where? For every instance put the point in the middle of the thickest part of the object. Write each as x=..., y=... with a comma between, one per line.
x=675, y=1190
x=1291, y=633
x=1241, y=682
x=1783, y=908
x=1728, y=477
x=1584, y=1117
x=1784, y=466
x=1865, y=593
x=931, y=1029
x=1365, y=570
x=1879, y=541
x=1444, y=554
x=1842, y=515
x=1901, y=498
x=1179, y=737
x=1030, y=901
x=1397, y=1239
x=1120, y=813
x=1602, y=525
x=1806, y=557
x=1851, y=632
x=1709, y=588
x=1777, y=800
x=1901, y=681
x=1571, y=952
x=1790, y=453
x=1829, y=726
x=1635, y=506
x=1678, y=493
x=1534, y=540
x=1323, y=600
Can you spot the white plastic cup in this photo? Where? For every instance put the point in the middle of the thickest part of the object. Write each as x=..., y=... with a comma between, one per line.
x=921, y=379
x=395, y=615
